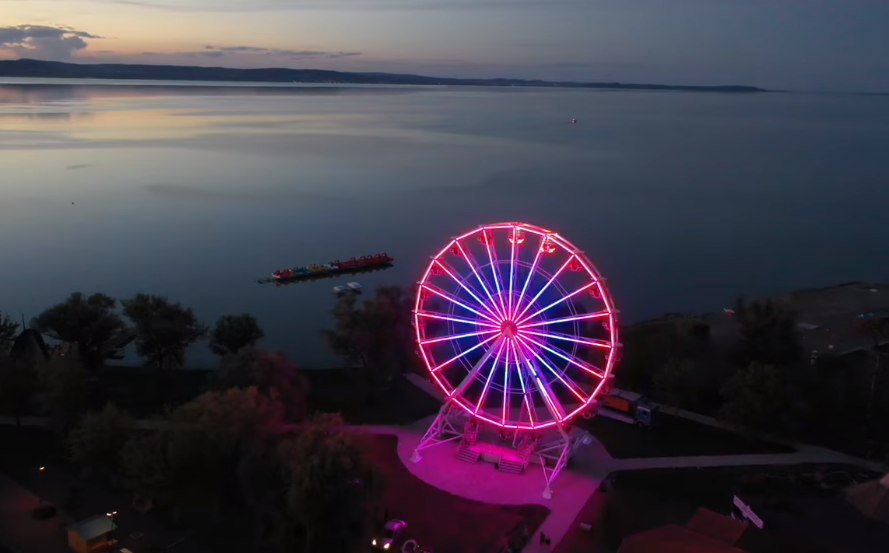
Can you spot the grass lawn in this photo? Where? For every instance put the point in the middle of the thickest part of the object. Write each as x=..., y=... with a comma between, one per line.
x=673, y=437
x=443, y=521
x=793, y=500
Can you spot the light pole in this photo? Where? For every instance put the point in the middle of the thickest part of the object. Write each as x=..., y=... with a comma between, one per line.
x=39, y=497
x=111, y=516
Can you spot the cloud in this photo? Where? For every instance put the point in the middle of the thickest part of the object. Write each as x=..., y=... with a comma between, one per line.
x=352, y=5
x=257, y=52
x=43, y=41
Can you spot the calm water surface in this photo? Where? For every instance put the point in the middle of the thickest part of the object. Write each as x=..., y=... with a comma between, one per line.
x=682, y=200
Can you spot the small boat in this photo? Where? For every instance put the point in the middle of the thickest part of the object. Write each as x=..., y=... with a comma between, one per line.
x=350, y=288
x=574, y=120
x=380, y=260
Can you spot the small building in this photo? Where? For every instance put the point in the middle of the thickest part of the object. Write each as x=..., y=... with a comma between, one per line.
x=90, y=535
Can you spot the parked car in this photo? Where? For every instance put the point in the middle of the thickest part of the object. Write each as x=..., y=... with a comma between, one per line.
x=392, y=531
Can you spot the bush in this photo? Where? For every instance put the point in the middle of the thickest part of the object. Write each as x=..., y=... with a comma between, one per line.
x=44, y=511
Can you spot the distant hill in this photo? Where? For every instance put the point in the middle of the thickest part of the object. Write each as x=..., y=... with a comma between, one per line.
x=60, y=70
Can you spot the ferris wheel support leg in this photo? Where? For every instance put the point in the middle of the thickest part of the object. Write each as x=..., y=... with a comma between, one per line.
x=440, y=431
x=549, y=475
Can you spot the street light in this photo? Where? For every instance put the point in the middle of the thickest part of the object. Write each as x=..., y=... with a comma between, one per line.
x=39, y=498
x=111, y=515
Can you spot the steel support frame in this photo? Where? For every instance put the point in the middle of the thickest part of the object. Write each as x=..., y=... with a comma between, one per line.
x=560, y=450
x=446, y=427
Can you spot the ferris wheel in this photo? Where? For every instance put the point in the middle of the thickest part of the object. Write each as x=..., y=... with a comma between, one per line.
x=516, y=326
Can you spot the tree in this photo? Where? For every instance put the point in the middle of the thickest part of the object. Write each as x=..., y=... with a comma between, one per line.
x=66, y=389
x=768, y=332
x=88, y=321
x=9, y=329
x=19, y=384
x=97, y=440
x=331, y=485
x=164, y=330
x=205, y=439
x=758, y=398
x=273, y=374
x=377, y=336
x=233, y=333
x=144, y=465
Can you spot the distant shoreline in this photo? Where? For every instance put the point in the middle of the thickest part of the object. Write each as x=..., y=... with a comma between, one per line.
x=28, y=68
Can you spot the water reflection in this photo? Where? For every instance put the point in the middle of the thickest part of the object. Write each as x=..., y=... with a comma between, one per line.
x=35, y=94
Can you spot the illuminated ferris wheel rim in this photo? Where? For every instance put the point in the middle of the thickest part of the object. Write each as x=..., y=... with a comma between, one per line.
x=509, y=326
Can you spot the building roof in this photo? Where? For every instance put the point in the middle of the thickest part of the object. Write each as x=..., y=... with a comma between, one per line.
x=720, y=527
x=675, y=539
x=871, y=498
x=93, y=527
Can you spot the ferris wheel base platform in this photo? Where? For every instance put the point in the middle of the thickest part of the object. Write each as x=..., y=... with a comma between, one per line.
x=510, y=451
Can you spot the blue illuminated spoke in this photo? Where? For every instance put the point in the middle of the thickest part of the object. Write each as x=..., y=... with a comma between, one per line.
x=584, y=317
x=558, y=301
x=458, y=336
x=484, y=393
x=569, y=384
x=604, y=344
x=460, y=320
x=465, y=352
x=545, y=286
x=473, y=264
x=564, y=355
x=518, y=304
x=455, y=301
x=468, y=290
x=494, y=273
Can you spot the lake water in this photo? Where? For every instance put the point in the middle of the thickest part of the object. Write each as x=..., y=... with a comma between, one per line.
x=682, y=200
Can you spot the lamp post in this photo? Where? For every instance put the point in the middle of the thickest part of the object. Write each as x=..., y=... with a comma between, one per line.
x=39, y=498
x=111, y=516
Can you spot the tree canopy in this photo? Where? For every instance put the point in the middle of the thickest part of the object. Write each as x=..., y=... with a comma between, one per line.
x=272, y=374
x=90, y=322
x=331, y=485
x=19, y=385
x=97, y=440
x=768, y=332
x=164, y=329
x=233, y=333
x=376, y=335
x=9, y=329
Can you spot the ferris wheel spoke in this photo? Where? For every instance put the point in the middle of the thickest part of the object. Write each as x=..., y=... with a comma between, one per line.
x=455, y=301
x=595, y=371
x=495, y=348
x=518, y=303
x=505, y=406
x=515, y=239
x=494, y=270
x=556, y=411
x=484, y=394
x=545, y=286
x=458, y=336
x=427, y=315
x=465, y=352
x=567, y=382
x=603, y=344
x=467, y=289
x=476, y=270
x=584, y=317
x=558, y=301
x=526, y=392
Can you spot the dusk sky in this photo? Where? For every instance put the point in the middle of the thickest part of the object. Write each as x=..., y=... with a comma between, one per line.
x=840, y=45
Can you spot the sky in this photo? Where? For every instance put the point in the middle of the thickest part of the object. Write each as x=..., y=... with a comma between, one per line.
x=831, y=45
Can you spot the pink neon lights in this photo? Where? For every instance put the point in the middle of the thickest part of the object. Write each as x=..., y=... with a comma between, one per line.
x=517, y=339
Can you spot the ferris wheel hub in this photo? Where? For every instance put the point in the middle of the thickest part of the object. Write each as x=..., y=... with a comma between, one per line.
x=509, y=329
